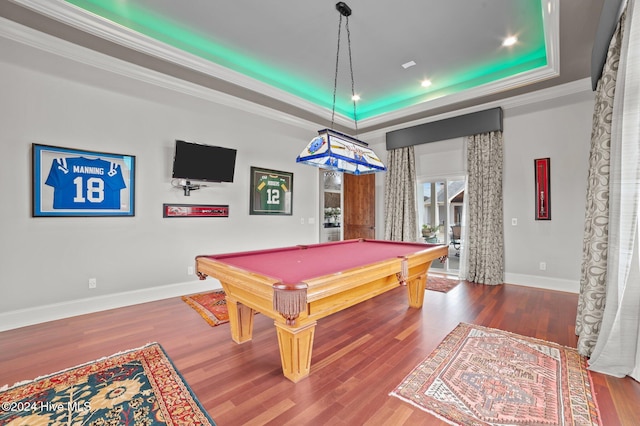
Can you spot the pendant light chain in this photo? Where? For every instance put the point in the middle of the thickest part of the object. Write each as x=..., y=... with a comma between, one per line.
x=353, y=91
x=335, y=78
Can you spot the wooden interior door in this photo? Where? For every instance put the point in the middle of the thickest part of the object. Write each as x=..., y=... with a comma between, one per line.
x=358, y=215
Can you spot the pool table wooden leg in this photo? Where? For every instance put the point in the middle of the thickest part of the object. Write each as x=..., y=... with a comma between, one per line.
x=240, y=320
x=295, y=349
x=415, y=288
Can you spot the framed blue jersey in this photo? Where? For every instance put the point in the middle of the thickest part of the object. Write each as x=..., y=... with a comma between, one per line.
x=82, y=183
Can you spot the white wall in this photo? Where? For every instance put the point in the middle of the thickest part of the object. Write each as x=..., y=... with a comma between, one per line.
x=561, y=131
x=48, y=261
x=559, y=128
x=45, y=263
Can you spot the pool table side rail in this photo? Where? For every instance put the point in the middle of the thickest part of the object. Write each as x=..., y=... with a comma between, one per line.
x=319, y=286
x=328, y=285
x=328, y=295
x=253, y=289
x=317, y=297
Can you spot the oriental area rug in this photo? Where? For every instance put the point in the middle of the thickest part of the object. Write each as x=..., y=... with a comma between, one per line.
x=441, y=284
x=137, y=387
x=212, y=306
x=483, y=376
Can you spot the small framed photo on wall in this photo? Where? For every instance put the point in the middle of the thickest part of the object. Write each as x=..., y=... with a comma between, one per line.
x=271, y=192
x=73, y=182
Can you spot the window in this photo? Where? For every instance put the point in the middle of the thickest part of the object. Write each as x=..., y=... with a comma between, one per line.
x=440, y=216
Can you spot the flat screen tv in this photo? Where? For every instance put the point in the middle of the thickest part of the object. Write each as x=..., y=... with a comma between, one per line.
x=199, y=162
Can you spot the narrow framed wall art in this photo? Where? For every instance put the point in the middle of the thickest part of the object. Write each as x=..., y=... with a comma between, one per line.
x=195, y=210
x=543, y=188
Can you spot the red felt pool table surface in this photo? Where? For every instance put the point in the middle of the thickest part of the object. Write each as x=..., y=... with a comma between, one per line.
x=295, y=264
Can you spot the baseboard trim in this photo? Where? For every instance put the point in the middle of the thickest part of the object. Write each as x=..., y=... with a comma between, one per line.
x=29, y=316
x=546, y=283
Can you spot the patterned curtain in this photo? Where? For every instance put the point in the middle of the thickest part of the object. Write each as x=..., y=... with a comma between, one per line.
x=617, y=349
x=591, y=299
x=483, y=236
x=400, y=211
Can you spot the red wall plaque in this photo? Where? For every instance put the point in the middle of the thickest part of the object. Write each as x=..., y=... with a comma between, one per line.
x=543, y=188
x=194, y=210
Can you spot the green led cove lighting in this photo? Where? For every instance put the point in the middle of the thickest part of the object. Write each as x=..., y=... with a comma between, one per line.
x=132, y=16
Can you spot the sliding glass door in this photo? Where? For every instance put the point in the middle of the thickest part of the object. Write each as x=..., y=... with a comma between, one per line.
x=440, y=217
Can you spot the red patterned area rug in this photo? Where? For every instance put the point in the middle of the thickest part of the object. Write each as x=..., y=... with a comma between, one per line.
x=212, y=306
x=137, y=387
x=483, y=376
x=442, y=284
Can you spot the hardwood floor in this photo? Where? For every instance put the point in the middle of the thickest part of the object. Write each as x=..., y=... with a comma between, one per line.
x=359, y=356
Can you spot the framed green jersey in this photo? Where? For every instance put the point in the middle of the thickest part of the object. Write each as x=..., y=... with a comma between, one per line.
x=271, y=192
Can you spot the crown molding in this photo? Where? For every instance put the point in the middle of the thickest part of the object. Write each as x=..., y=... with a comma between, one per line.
x=100, y=27
x=580, y=88
x=90, y=23
x=71, y=51
x=509, y=83
x=93, y=24
x=21, y=34
x=551, y=22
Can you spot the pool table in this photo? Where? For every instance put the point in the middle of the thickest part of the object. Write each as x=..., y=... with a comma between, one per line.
x=296, y=286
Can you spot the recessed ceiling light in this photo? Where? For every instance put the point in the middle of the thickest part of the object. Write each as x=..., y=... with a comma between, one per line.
x=408, y=64
x=426, y=83
x=510, y=41
x=355, y=98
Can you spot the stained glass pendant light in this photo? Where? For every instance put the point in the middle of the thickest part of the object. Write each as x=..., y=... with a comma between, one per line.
x=334, y=150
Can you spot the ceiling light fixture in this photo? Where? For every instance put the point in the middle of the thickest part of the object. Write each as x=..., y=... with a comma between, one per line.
x=426, y=83
x=334, y=150
x=510, y=41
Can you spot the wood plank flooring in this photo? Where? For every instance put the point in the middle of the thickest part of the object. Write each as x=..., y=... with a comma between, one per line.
x=359, y=355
